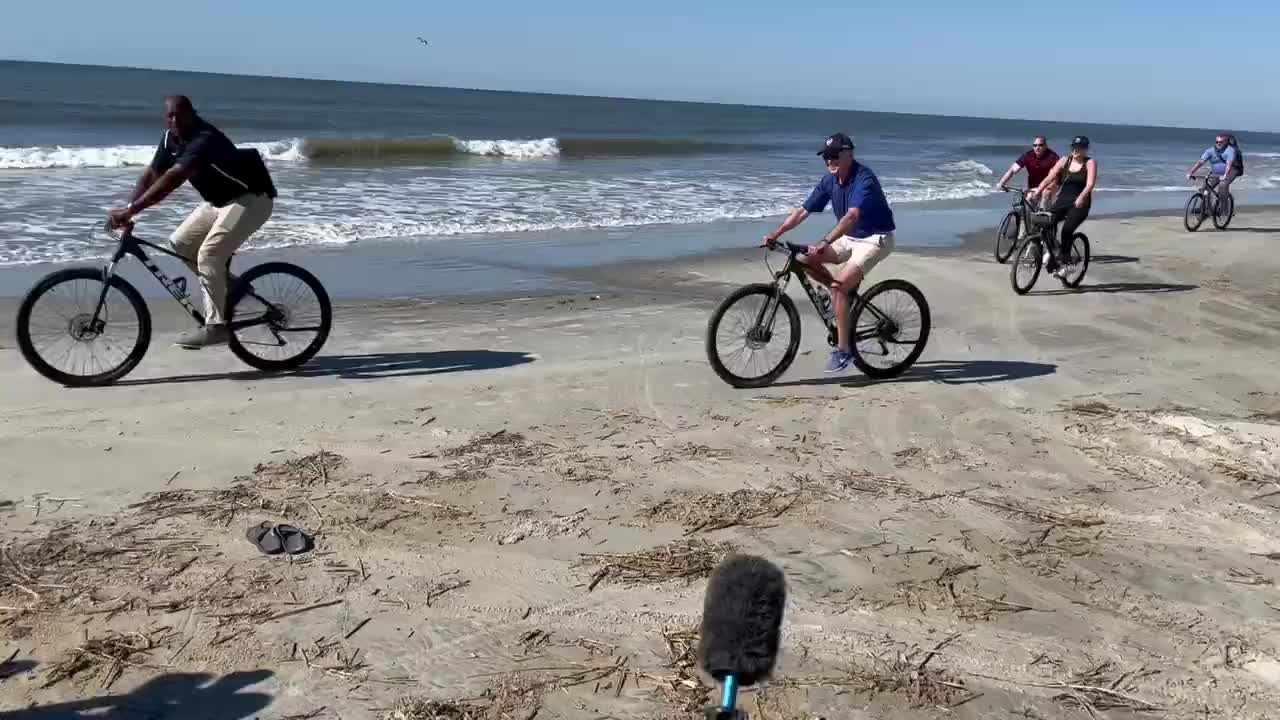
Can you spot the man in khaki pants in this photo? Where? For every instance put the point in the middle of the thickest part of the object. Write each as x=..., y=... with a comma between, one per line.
x=238, y=197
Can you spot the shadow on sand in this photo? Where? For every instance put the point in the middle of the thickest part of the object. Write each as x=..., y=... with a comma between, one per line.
x=947, y=372
x=1120, y=287
x=369, y=367
x=176, y=696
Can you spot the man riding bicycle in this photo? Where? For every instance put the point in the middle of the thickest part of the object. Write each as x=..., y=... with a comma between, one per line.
x=862, y=237
x=238, y=198
x=1226, y=163
x=1038, y=161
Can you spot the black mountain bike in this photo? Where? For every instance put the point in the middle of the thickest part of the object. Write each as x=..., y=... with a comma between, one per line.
x=890, y=326
x=278, y=317
x=1041, y=241
x=1205, y=202
x=1012, y=226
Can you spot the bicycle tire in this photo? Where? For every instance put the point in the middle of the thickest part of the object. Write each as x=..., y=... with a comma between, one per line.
x=1011, y=220
x=240, y=291
x=1082, y=241
x=40, y=365
x=1020, y=259
x=925, y=324
x=1193, y=213
x=1230, y=213
x=793, y=343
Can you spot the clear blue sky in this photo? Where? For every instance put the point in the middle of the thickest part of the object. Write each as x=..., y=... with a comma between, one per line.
x=1139, y=61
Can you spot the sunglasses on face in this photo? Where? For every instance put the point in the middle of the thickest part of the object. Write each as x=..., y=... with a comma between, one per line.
x=830, y=156
x=1036, y=145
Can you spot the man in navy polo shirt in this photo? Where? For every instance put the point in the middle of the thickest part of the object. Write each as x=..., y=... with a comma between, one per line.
x=238, y=197
x=862, y=237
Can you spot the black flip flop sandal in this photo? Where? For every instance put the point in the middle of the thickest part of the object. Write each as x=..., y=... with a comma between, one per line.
x=295, y=541
x=265, y=538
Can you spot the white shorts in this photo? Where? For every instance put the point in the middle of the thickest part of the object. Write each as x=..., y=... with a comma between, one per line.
x=865, y=252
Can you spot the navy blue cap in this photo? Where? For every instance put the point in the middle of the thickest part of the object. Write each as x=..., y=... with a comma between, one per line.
x=838, y=141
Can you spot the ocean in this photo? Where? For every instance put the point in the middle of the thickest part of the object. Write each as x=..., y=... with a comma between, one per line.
x=418, y=167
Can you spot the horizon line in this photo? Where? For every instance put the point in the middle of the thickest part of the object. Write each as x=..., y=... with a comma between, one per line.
x=626, y=97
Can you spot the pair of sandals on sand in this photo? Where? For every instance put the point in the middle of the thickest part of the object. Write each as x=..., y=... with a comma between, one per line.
x=273, y=539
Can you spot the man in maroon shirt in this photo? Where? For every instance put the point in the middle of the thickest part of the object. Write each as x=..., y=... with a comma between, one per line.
x=1038, y=161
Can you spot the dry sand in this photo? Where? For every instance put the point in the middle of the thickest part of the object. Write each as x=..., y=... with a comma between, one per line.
x=1069, y=506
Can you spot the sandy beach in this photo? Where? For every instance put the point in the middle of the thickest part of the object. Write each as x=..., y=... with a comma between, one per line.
x=1068, y=506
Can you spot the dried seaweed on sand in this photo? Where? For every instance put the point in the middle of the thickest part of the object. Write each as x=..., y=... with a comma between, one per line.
x=682, y=560
x=699, y=512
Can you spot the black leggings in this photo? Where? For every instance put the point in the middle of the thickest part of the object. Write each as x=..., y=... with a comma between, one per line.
x=1071, y=217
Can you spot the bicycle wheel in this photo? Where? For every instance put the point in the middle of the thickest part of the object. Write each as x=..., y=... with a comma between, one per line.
x=737, y=321
x=1027, y=260
x=890, y=328
x=1074, y=272
x=1193, y=215
x=1228, y=210
x=59, y=338
x=1007, y=236
x=280, y=316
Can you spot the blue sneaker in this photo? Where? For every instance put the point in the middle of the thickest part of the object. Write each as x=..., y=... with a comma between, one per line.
x=839, y=360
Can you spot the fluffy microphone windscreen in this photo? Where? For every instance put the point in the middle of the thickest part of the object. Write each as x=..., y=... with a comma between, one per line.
x=741, y=619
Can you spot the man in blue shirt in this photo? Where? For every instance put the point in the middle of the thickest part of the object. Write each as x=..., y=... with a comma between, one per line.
x=1225, y=162
x=862, y=237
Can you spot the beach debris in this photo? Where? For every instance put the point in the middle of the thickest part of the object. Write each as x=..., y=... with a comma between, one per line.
x=439, y=588
x=682, y=689
x=705, y=512
x=530, y=527
x=687, y=559
x=106, y=656
x=901, y=670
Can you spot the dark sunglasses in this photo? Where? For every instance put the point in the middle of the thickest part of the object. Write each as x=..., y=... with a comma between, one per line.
x=831, y=155
x=1037, y=144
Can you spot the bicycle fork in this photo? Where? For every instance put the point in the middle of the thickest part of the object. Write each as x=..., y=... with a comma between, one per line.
x=769, y=311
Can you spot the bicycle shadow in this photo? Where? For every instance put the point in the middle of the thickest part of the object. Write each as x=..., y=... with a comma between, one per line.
x=1134, y=287
x=947, y=372
x=373, y=366
x=174, y=696
x=1113, y=259
x=1264, y=231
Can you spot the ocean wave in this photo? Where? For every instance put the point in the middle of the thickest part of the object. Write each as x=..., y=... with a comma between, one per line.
x=373, y=151
x=966, y=166
x=118, y=156
x=1248, y=155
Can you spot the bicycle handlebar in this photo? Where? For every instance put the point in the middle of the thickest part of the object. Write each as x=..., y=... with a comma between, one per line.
x=792, y=248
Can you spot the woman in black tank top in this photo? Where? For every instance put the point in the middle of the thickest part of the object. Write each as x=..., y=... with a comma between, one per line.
x=1075, y=174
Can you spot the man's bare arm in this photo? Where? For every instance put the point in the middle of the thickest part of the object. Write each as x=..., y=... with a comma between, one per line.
x=161, y=187
x=796, y=217
x=147, y=179
x=842, y=228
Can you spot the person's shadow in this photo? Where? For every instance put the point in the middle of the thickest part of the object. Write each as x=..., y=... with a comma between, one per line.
x=947, y=372
x=177, y=696
x=369, y=367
